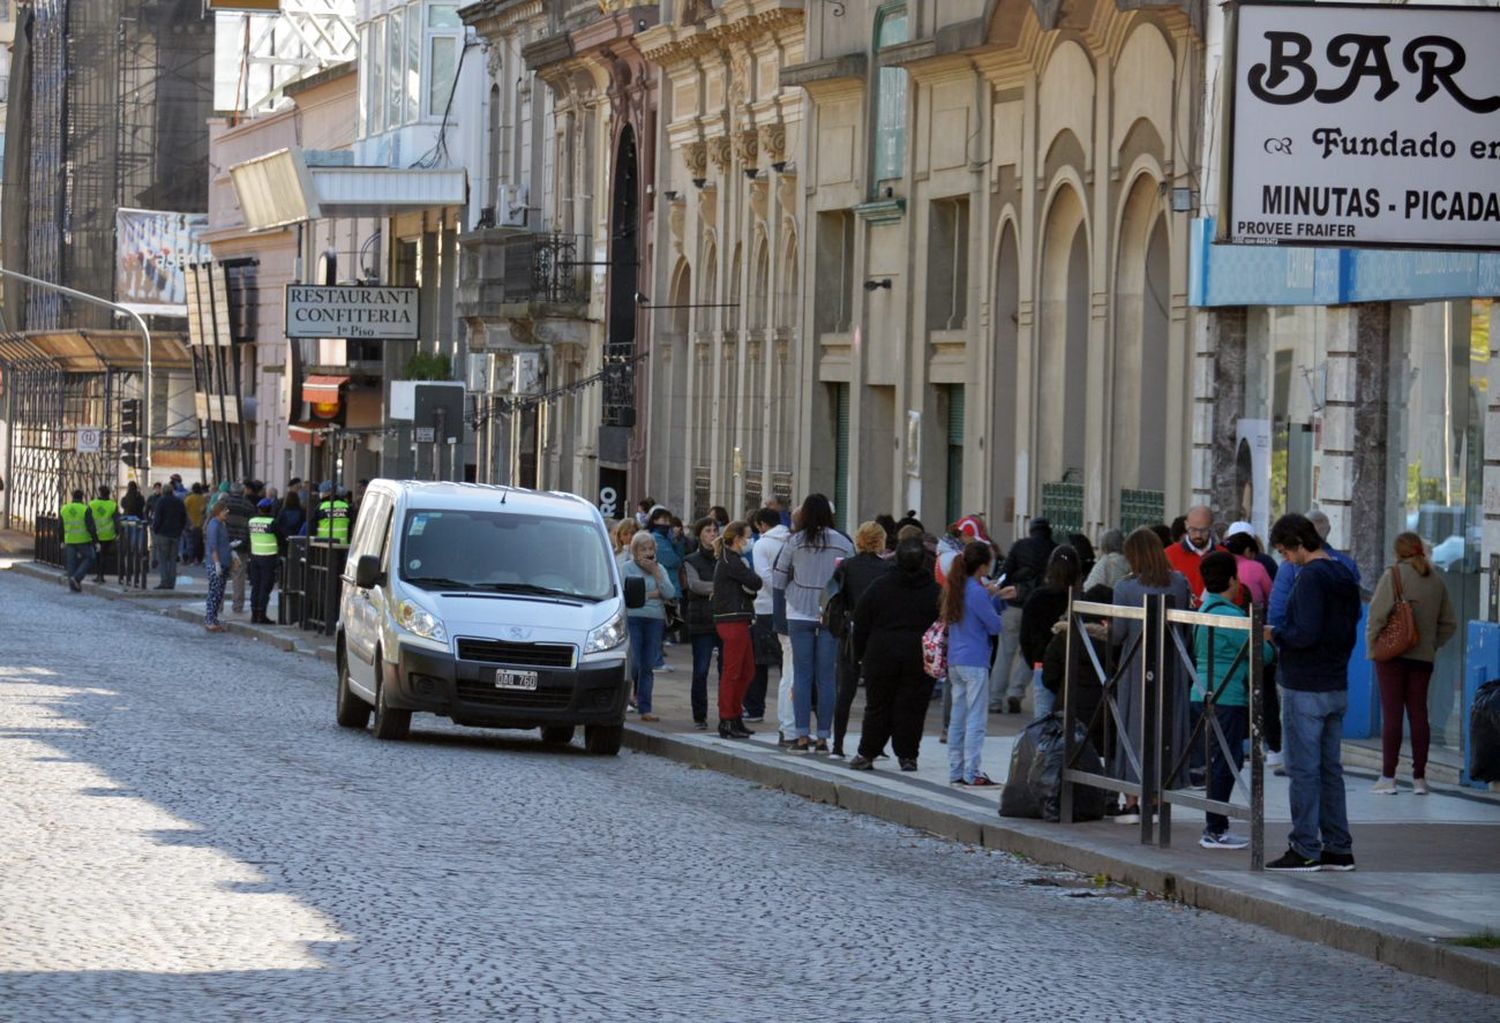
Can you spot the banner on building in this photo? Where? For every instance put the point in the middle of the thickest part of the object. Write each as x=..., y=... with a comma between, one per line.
x=153, y=249
x=1363, y=125
x=1252, y=475
x=352, y=312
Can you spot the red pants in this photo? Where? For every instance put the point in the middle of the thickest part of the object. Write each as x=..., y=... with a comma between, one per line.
x=1403, y=689
x=739, y=668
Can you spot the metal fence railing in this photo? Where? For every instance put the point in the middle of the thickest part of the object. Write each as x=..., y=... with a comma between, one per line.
x=292, y=582
x=1156, y=696
x=48, y=534
x=133, y=553
x=323, y=580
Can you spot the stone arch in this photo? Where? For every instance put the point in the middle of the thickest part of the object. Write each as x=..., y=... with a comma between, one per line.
x=791, y=284
x=760, y=283
x=1142, y=322
x=1142, y=88
x=679, y=382
x=1062, y=337
x=1066, y=92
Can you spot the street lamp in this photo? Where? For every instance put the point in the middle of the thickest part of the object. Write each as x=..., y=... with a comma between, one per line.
x=140, y=325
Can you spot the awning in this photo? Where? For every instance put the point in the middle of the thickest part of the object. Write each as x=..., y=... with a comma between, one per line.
x=291, y=186
x=322, y=390
x=94, y=351
x=307, y=432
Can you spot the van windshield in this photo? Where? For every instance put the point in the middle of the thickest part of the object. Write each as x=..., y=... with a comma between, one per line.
x=503, y=552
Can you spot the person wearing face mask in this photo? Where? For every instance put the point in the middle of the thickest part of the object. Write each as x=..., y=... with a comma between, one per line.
x=735, y=586
x=1186, y=556
x=648, y=622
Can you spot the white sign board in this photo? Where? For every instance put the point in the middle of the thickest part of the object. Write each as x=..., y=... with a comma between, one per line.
x=1359, y=124
x=351, y=312
x=425, y=435
x=88, y=440
x=153, y=248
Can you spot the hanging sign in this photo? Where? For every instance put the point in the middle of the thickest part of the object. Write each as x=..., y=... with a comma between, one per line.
x=352, y=312
x=1356, y=125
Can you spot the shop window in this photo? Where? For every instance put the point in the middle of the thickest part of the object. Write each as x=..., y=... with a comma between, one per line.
x=948, y=264
x=955, y=451
x=395, y=59
x=839, y=398
x=891, y=27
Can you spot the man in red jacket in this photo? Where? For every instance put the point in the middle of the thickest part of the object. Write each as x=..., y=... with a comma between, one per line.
x=1186, y=556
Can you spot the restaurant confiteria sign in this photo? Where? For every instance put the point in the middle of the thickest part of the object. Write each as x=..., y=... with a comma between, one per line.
x=353, y=312
x=1363, y=125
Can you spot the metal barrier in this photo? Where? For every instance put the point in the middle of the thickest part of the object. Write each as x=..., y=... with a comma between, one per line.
x=293, y=583
x=1159, y=648
x=133, y=553
x=323, y=583
x=49, y=545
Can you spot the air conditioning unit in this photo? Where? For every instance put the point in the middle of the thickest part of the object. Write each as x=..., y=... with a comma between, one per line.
x=510, y=205
x=479, y=372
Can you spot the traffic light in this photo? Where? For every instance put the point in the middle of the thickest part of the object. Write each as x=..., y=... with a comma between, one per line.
x=130, y=452
x=130, y=417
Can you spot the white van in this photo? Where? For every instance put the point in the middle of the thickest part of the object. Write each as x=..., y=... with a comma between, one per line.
x=493, y=606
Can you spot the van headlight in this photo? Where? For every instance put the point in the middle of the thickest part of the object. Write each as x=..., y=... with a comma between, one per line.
x=607, y=636
x=419, y=621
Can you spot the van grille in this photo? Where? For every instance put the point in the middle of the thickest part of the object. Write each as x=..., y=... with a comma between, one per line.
x=526, y=655
x=483, y=694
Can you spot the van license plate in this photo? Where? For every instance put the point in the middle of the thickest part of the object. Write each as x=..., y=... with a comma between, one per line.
x=505, y=679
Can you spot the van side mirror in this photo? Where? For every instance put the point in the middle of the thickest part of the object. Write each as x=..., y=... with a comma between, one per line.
x=367, y=571
x=635, y=593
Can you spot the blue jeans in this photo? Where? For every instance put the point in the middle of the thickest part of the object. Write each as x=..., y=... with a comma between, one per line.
x=703, y=656
x=971, y=703
x=1235, y=721
x=1044, y=699
x=814, y=663
x=78, y=559
x=645, y=644
x=1312, y=728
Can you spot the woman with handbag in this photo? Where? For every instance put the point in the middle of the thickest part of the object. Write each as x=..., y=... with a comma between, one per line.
x=1411, y=617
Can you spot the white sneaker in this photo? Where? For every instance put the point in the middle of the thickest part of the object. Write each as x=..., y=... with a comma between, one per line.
x=1384, y=787
x=1419, y=787
x=1273, y=759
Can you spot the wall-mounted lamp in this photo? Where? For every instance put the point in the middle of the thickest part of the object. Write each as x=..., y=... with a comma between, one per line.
x=884, y=282
x=698, y=183
x=751, y=172
x=1183, y=199
x=779, y=166
x=670, y=196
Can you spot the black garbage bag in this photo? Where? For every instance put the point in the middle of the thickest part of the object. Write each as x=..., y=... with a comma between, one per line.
x=1034, y=787
x=1484, y=733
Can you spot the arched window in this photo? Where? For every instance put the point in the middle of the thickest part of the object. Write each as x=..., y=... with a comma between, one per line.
x=891, y=27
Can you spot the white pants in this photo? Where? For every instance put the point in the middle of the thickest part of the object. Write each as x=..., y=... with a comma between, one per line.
x=786, y=718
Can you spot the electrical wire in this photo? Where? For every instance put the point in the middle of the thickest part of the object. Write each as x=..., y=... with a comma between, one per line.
x=509, y=406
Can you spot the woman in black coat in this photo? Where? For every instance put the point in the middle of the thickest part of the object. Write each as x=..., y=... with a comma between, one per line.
x=852, y=578
x=698, y=570
x=889, y=621
x=735, y=584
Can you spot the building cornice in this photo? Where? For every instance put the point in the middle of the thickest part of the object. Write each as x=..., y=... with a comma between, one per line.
x=736, y=23
x=831, y=73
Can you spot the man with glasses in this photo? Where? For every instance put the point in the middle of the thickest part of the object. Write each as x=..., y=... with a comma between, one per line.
x=1313, y=645
x=1186, y=556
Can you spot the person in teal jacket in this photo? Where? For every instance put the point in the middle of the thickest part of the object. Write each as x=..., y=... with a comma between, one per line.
x=1229, y=681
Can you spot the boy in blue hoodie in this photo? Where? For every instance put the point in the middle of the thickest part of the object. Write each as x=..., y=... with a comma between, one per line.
x=1228, y=682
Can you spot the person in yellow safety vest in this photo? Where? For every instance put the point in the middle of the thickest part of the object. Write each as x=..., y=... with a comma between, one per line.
x=263, y=561
x=79, y=537
x=333, y=518
x=106, y=525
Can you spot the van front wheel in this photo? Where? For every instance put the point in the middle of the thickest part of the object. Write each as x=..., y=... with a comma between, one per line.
x=603, y=740
x=389, y=722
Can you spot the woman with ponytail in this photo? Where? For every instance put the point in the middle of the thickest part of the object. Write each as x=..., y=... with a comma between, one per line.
x=972, y=611
x=1404, y=680
x=735, y=585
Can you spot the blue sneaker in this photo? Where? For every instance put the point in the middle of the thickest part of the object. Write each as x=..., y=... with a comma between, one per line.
x=1222, y=840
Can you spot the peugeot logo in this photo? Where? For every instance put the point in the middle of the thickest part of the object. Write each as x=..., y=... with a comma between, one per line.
x=517, y=632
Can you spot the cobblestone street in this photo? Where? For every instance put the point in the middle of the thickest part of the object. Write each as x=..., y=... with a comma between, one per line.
x=186, y=834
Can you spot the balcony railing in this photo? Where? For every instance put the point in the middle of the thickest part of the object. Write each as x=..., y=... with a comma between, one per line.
x=505, y=267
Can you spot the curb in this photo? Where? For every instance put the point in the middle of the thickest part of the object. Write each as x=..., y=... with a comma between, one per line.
x=1408, y=952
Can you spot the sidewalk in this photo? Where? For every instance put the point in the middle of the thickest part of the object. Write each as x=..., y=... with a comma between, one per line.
x=1428, y=866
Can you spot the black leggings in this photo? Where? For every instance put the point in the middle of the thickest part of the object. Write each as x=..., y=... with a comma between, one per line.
x=848, y=686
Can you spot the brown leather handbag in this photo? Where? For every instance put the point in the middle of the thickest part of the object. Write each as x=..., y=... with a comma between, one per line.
x=1399, y=633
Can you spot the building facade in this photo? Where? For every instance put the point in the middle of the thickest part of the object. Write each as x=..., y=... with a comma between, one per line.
x=994, y=315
